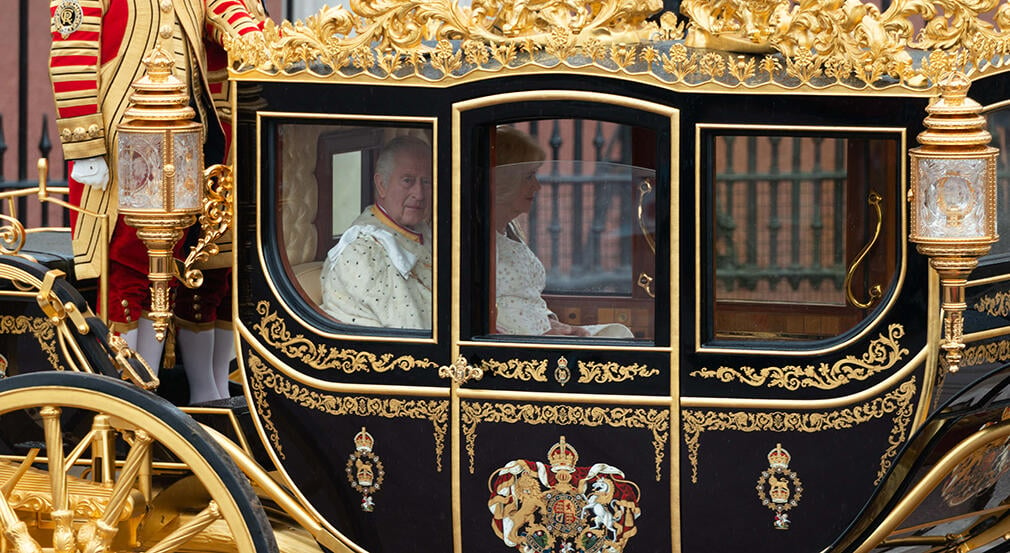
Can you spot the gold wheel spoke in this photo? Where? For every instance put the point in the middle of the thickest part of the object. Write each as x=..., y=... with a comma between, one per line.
x=187, y=531
x=63, y=533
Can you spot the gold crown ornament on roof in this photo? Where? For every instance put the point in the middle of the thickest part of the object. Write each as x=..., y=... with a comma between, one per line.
x=819, y=44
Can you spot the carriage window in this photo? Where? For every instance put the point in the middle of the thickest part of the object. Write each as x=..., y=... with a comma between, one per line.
x=999, y=127
x=355, y=220
x=804, y=232
x=573, y=249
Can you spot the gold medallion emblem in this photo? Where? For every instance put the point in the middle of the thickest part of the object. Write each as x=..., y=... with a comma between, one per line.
x=68, y=17
x=560, y=507
x=364, y=469
x=779, y=497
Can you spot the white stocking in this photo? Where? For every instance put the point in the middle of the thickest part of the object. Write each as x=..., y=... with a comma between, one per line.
x=224, y=352
x=147, y=345
x=131, y=338
x=197, y=350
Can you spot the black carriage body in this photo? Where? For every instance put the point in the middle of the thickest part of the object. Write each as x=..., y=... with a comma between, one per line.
x=694, y=413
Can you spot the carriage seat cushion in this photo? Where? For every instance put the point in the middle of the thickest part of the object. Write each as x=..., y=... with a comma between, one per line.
x=51, y=248
x=308, y=275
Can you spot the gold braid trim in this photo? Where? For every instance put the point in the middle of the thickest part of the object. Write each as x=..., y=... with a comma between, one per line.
x=265, y=378
x=655, y=420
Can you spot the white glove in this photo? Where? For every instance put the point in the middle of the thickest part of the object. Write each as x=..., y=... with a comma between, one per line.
x=91, y=171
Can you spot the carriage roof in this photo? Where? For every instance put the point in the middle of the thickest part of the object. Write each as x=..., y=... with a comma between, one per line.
x=830, y=46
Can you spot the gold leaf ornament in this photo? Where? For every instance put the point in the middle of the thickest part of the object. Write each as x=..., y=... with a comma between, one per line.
x=881, y=354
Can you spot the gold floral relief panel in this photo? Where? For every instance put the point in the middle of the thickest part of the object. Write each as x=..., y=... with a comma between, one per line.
x=898, y=404
x=881, y=355
x=516, y=369
x=603, y=373
x=267, y=380
x=730, y=43
x=656, y=421
x=39, y=327
x=272, y=329
x=996, y=351
x=996, y=305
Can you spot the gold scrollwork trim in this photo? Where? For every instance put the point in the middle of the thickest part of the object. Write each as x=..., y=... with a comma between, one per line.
x=784, y=43
x=881, y=355
x=517, y=369
x=992, y=352
x=655, y=420
x=40, y=327
x=602, y=373
x=996, y=305
x=274, y=332
x=264, y=378
x=12, y=235
x=898, y=403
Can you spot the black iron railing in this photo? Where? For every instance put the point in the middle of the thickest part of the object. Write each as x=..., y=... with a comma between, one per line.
x=28, y=210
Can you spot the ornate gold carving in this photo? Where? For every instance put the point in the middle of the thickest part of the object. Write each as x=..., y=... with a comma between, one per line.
x=655, y=420
x=818, y=43
x=881, y=355
x=12, y=236
x=42, y=329
x=997, y=305
x=992, y=352
x=602, y=373
x=215, y=220
x=265, y=378
x=460, y=371
x=274, y=332
x=897, y=403
x=517, y=369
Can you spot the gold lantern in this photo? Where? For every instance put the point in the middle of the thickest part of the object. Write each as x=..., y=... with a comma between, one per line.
x=953, y=198
x=160, y=173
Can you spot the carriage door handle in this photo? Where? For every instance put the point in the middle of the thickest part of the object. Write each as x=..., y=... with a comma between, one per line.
x=876, y=292
x=644, y=280
x=460, y=371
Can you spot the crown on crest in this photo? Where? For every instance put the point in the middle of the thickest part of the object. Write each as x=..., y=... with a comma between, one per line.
x=778, y=458
x=363, y=441
x=562, y=456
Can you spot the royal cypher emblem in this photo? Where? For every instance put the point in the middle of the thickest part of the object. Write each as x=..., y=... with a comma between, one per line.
x=364, y=469
x=560, y=507
x=779, y=488
x=68, y=17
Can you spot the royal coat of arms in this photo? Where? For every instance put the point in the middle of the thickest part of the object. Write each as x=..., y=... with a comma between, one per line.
x=560, y=507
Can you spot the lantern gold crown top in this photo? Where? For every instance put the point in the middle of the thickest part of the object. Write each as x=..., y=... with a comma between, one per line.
x=954, y=119
x=159, y=96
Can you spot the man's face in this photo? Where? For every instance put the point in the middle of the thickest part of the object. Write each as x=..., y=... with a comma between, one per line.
x=406, y=195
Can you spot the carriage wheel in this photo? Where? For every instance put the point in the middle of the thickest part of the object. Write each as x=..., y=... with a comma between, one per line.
x=137, y=447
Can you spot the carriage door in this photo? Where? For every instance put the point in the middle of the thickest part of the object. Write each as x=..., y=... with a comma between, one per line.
x=799, y=345
x=562, y=308
x=339, y=315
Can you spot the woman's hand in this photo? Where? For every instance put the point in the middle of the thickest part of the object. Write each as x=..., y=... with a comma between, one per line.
x=561, y=329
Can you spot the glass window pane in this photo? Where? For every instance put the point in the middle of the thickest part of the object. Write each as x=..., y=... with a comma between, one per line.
x=790, y=217
x=355, y=221
x=570, y=239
